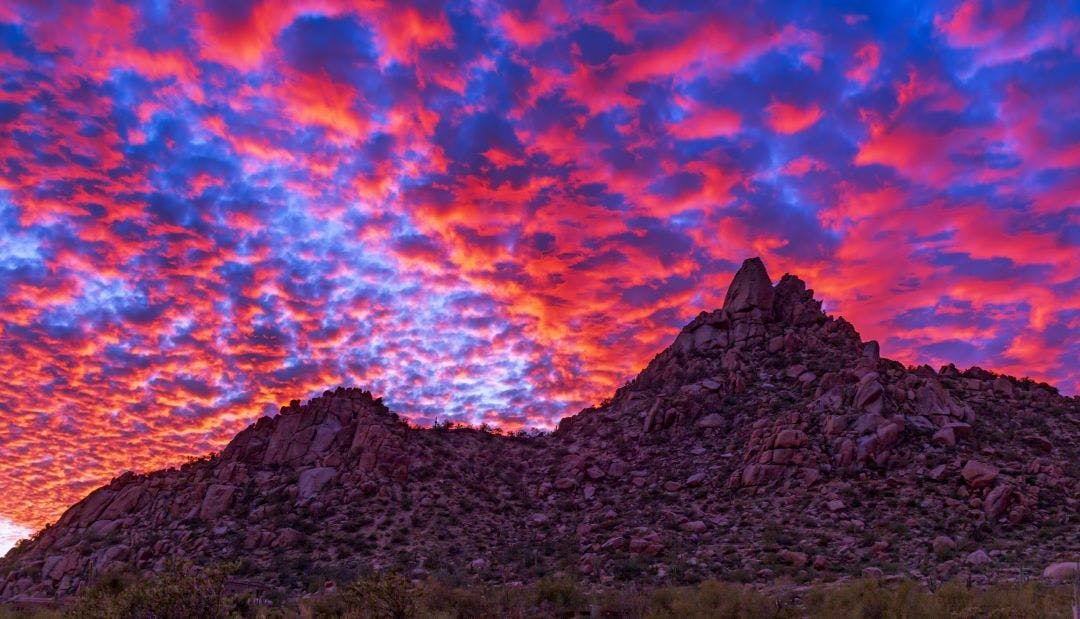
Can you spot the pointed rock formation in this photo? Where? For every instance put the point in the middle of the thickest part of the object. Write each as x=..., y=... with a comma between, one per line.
x=765, y=416
x=751, y=288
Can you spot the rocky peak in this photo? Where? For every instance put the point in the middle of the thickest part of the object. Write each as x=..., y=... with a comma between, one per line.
x=337, y=425
x=751, y=288
x=765, y=415
x=793, y=303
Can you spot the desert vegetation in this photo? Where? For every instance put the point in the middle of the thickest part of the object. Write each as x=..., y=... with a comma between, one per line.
x=183, y=591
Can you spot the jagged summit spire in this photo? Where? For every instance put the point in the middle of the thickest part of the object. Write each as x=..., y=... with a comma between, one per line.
x=750, y=288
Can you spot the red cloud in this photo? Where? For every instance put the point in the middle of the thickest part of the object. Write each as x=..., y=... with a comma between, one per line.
x=971, y=26
x=786, y=118
x=803, y=165
x=707, y=124
x=193, y=242
x=1001, y=32
x=866, y=62
x=239, y=36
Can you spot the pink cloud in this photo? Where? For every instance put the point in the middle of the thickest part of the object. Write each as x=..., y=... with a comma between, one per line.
x=867, y=59
x=787, y=118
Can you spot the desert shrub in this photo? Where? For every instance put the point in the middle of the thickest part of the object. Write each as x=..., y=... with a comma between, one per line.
x=1027, y=601
x=909, y=600
x=871, y=599
x=379, y=596
x=438, y=600
x=559, y=594
x=180, y=591
x=186, y=591
x=620, y=604
x=715, y=600
x=627, y=567
x=20, y=612
x=954, y=596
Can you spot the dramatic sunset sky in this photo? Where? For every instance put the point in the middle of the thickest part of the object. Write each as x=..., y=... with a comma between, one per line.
x=499, y=212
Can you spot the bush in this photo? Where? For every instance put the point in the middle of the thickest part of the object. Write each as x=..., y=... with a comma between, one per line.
x=561, y=594
x=714, y=599
x=380, y=596
x=440, y=600
x=185, y=591
x=869, y=598
x=909, y=600
x=18, y=612
x=180, y=592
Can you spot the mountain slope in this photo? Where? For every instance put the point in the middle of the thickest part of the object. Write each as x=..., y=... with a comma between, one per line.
x=767, y=440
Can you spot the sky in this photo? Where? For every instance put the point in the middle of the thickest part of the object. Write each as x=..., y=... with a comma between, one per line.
x=499, y=212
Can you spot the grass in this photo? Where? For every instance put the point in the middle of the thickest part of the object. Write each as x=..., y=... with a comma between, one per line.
x=185, y=592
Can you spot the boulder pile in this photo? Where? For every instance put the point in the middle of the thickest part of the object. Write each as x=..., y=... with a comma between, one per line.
x=767, y=441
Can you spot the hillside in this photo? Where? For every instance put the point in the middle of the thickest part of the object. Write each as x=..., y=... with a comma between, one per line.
x=768, y=440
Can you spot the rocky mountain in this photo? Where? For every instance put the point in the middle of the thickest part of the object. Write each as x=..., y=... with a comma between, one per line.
x=768, y=441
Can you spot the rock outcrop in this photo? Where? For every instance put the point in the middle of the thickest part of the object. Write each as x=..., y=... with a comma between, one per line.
x=750, y=289
x=769, y=440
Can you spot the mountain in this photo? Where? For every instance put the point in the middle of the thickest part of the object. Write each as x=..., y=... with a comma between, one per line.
x=767, y=441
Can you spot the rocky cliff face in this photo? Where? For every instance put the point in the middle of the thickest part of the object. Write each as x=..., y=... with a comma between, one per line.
x=767, y=441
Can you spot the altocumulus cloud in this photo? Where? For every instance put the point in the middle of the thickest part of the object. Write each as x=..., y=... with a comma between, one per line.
x=498, y=212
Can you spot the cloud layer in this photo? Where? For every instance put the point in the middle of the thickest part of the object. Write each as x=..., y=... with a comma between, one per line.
x=498, y=212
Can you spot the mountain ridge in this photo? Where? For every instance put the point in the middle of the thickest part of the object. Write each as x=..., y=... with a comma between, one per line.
x=766, y=441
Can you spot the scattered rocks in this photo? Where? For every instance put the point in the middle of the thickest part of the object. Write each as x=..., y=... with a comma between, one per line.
x=979, y=474
x=997, y=501
x=796, y=559
x=613, y=543
x=647, y=543
x=873, y=573
x=945, y=437
x=694, y=526
x=1064, y=571
x=943, y=545
x=938, y=473
x=868, y=398
x=1040, y=443
x=313, y=480
x=287, y=537
x=565, y=483
x=711, y=421
x=218, y=499
x=789, y=439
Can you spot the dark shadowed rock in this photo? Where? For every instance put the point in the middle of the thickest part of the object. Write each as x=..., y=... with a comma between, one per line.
x=794, y=304
x=979, y=474
x=751, y=288
x=217, y=500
